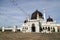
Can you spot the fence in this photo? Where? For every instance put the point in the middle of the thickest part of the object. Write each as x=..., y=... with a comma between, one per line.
x=13, y=29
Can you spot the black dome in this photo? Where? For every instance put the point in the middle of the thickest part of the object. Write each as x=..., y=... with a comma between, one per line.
x=25, y=21
x=49, y=19
x=34, y=15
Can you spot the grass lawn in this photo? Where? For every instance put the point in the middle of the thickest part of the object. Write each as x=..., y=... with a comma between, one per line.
x=29, y=36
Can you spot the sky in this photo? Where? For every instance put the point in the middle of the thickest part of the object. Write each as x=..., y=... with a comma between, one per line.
x=14, y=12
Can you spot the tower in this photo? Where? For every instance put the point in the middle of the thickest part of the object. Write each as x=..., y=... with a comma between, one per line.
x=44, y=13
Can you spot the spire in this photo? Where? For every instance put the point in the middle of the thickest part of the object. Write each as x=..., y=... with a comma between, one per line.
x=44, y=13
x=27, y=18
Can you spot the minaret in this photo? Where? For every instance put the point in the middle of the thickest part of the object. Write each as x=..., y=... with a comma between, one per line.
x=27, y=18
x=44, y=13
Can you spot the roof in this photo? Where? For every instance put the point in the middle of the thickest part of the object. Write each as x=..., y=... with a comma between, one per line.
x=25, y=21
x=58, y=26
x=49, y=19
x=34, y=15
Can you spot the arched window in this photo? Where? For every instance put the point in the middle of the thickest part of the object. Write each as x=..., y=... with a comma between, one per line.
x=45, y=27
x=53, y=29
x=23, y=28
x=27, y=28
x=48, y=28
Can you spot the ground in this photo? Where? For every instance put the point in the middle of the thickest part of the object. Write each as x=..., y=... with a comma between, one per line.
x=29, y=36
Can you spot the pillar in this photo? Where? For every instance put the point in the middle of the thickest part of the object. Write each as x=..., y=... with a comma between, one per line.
x=2, y=29
x=14, y=29
x=56, y=29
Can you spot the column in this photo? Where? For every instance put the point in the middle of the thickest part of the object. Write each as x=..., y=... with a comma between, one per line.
x=14, y=29
x=56, y=29
x=2, y=29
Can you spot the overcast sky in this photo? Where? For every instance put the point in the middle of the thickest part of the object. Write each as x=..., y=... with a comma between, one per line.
x=14, y=12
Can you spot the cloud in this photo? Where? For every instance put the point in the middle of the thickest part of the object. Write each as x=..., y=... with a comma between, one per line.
x=14, y=15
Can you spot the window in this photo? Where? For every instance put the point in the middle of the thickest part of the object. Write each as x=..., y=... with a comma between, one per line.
x=48, y=28
x=53, y=29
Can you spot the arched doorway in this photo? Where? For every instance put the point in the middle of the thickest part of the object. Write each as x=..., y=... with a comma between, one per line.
x=33, y=28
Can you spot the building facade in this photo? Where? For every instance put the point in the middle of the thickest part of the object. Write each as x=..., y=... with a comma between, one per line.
x=39, y=23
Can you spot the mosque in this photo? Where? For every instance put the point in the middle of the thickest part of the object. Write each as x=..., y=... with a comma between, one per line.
x=38, y=23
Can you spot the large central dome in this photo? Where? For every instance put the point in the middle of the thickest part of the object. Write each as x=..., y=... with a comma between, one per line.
x=34, y=15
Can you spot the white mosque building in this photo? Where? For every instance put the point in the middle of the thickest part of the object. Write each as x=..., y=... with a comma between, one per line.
x=39, y=23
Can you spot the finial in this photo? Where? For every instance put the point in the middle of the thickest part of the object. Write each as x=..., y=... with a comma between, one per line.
x=44, y=10
x=49, y=16
x=36, y=9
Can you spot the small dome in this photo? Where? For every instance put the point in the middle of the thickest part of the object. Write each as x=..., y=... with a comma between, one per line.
x=34, y=15
x=25, y=21
x=49, y=19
